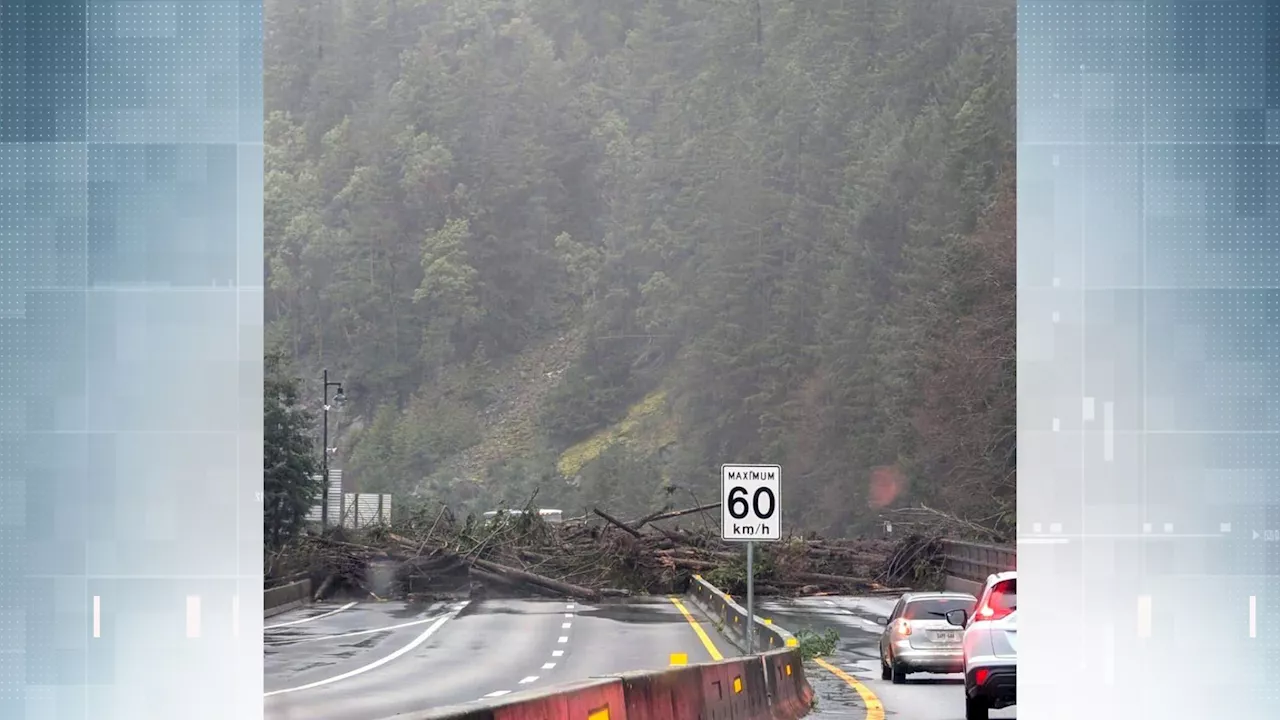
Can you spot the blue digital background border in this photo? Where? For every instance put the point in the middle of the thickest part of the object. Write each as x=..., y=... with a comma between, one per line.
x=130, y=359
x=1149, y=377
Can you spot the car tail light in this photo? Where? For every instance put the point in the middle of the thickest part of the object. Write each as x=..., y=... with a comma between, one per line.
x=989, y=613
x=980, y=676
x=904, y=627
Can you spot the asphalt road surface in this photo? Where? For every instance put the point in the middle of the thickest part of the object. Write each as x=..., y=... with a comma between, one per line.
x=922, y=697
x=370, y=661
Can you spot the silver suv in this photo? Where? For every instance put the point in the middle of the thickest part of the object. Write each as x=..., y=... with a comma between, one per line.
x=918, y=638
x=990, y=647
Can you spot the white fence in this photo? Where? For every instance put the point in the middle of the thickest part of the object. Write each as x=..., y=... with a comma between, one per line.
x=351, y=510
x=335, y=499
x=365, y=509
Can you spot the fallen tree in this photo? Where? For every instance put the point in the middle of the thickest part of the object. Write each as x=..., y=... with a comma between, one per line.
x=599, y=555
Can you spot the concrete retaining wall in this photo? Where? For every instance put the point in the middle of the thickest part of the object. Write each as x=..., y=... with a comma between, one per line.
x=286, y=597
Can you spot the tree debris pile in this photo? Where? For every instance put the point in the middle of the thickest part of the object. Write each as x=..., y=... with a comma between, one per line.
x=596, y=556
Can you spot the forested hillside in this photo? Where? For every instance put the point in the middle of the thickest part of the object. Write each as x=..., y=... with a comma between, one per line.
x=600, y=248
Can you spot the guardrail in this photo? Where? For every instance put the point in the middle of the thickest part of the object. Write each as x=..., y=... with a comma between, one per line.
x=284, y=598
x=766, y=686
x=968, y=564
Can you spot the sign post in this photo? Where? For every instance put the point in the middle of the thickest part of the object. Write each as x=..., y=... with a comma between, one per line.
x=750, y=512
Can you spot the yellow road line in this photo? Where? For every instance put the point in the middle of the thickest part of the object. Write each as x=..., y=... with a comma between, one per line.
x=702, y=635
x=875, y=710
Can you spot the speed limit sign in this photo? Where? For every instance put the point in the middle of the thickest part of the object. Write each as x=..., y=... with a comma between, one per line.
x=750, y=502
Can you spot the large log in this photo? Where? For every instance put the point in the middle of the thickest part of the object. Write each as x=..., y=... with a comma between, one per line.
x=575, y=591
x=675, y=514
x=499, y=580
x=617, y=523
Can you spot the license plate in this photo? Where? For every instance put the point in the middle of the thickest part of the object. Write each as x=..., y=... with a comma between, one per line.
x=946, y=637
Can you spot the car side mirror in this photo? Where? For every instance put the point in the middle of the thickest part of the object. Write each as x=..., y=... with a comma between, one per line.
x=882, y=621
x=957, y=617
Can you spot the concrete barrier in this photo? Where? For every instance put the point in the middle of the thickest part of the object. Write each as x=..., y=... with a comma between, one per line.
x=281, y=599
x=784, y=673
x=664, y=695
x=733, y=618
x=596, y=699
x=735, y=690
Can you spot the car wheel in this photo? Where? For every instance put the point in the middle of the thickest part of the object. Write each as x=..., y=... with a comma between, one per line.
x=899, y=674
x=976, y=709
x=886, y=672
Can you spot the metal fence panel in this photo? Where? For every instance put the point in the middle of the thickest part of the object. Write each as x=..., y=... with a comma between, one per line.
x=365, y=509
x=975, y=561
x=335, y=499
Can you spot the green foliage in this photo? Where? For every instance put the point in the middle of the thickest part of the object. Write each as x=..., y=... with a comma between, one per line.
x=594, y=393
x=400, y=448
x=621, y=481
x=814, y=644
x=782, y=214
x=517, y=479
x=288, y=455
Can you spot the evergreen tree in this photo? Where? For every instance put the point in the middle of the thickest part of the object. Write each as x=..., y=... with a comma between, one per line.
x=290, y=487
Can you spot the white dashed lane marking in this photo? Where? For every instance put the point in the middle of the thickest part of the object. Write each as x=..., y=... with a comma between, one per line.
x=545, y=666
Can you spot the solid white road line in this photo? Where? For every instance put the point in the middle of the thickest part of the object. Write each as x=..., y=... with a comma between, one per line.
x=348, y=606
x=371, y=631
x=426, y=634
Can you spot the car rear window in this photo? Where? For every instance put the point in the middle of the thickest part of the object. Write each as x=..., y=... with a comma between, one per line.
x=1004, y=596
x=936, y=608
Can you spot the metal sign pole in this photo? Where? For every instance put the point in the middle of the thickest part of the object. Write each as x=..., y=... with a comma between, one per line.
x=751, y=595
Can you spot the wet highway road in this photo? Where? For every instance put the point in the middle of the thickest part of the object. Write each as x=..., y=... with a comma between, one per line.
x=922, y=697
x=370, y=661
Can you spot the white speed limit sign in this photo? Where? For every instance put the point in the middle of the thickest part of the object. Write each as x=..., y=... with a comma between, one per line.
x=750, y=502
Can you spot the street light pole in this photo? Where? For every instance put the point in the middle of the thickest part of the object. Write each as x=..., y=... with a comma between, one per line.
x=324, y=454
